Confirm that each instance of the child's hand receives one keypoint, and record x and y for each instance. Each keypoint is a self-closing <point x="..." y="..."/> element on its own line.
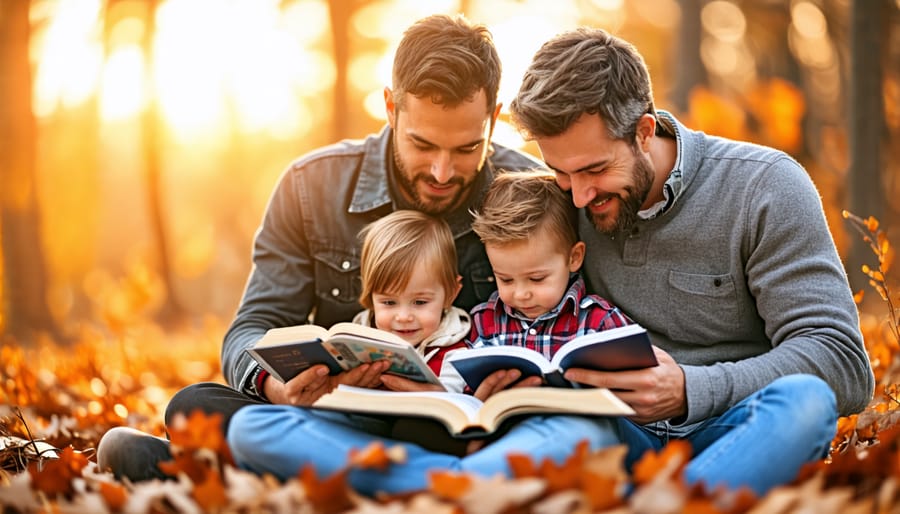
<point x="500" y="380"/>
<point x="395" y="383"/>
<point x="365" y="375"/>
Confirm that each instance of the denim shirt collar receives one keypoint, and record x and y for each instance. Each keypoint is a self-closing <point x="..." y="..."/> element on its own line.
<point x="371" y="191"/>
<point x="676" y="182"/>
<point x="376" y="187"/>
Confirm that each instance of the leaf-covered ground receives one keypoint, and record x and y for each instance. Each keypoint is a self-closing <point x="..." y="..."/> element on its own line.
<point x="57" y="401"/>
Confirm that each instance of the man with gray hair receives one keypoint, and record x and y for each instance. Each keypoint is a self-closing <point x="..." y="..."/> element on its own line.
<point x="720" y="249"/>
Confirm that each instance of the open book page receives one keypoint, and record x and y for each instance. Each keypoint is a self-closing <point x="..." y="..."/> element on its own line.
<point x="550" y="400"/>
<point x="455" y="410"/>
<point x="286" y="352"/>
<point x="295" y="333"/>
<point x="351" y="351"/>
<point x="363" y="331"/>
<point x="465" y="416"/>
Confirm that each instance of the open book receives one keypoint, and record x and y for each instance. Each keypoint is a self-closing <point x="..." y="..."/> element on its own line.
<point x="467" y="417"/>
<point x="285" y="352"/>
<point x="615" y="349"/>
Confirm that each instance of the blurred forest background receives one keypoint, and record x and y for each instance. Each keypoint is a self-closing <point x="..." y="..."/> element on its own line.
<point x="140" y="139"/>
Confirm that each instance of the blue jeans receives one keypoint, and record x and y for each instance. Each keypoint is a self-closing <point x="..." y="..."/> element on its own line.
<point x="761" y="442"/>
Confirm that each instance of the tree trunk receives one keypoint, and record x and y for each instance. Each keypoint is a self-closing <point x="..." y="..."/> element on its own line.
<point x="690" y="70"/>
<point x="24" y="285"/>
<point x="866" y="124"/>
<point x="172" y="310"/>
<point x="340" y="13"/>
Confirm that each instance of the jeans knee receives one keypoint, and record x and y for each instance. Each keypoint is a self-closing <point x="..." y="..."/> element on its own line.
<point x="188" y="399"/>
<point x="811" y="403"/>
<point x="599" y="432"/>
<point x="248" y="432"/>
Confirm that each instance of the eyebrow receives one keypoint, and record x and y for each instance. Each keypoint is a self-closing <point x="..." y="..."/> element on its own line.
<point x="596" y="164"/>
<point x="423" y="141"/>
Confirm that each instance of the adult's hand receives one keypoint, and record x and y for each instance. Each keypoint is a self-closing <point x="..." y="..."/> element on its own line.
<point x="655" y="393"/>
<point x="395" y="383"/>
<point x="500" y="380"/>
<point x="311" y="384"/>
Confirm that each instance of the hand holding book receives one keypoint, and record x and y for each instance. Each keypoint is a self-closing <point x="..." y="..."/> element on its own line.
<point x="285" y="352"/>
<point x="616" y="349"/>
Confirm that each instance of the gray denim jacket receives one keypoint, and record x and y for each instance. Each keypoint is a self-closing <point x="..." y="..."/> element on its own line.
<point x="306" y="252"/>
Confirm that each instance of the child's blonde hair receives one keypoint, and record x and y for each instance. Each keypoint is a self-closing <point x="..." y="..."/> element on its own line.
<point x="518" y="204"/>
<point x="394" y="244"/>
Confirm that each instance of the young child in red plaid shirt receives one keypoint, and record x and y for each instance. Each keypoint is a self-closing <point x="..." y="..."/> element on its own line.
<point x="528" y="226"/>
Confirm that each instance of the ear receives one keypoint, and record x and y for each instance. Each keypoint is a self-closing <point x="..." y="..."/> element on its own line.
<point x="452" y="294"/>
<point x="495" y="116"/>
<point x="389" y="105"/>
<point x="576" y="256"/>
<point x="644" y="131"/>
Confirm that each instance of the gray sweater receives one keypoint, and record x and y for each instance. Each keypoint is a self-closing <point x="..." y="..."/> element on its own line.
<point x="738" y="278"/>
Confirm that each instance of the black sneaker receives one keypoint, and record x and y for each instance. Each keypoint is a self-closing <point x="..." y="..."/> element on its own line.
<point x="132" y="454"/>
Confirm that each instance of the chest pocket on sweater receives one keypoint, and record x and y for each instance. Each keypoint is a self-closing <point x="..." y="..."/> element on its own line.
<point x="703" y="309"/>
<point x="337" y="286"/>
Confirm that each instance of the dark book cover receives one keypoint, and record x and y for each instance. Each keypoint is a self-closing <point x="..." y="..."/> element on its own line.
<point x="286" y="361"/>
<point x="619" y="349"/>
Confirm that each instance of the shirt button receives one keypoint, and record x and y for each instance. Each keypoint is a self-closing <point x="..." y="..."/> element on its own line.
<point x="532" y="331"/>
<point x="345" y="265"/>
<point x="335" y="292"/>
<point x="717" y="282"/>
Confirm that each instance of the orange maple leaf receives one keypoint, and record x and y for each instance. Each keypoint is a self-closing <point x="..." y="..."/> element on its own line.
<point x="54" y="477"/>
<point x="373" y="456"/>
<point x="199" y="430"/>
<point x="330" y="494"/>
<point x="602" y="491"/>
<point x="521" y="465"/>
<point x="210" y="492"/>
<point x="845" y="426"/>
<point x="185" y="462"/>
<point x="449" y="485"/>
<point x="670" y="459"/>
<point x="567" y="475"/>
<point x="114" y="495"/>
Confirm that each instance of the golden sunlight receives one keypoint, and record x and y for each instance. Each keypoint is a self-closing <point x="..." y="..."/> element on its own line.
<point x="122" y="85"/>
<point x="69" y="57"/>
<point x="247" y="64"/>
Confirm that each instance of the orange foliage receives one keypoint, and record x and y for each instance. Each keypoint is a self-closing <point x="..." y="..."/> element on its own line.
<point x="449" y="485"/>
<point x="54" y="477"/>
<point x="70" y="397"/>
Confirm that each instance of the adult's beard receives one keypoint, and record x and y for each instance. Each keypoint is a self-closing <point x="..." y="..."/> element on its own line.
<point x="408" y="184"/>
<point x="629" y="205"/>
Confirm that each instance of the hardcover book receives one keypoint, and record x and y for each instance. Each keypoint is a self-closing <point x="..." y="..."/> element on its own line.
<point x="285" y="352"/>
<point x="616" y="349"/>
<point x="467" y="417"/>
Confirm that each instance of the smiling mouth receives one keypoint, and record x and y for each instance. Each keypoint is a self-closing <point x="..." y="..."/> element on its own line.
<point x="440" y="188"/>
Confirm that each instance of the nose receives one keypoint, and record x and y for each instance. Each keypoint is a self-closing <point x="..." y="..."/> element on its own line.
<point x="442" y="167"/>
<point x="403" y="314"/>
<point x="583" y="192"/>
<point x="523" y="292"/>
